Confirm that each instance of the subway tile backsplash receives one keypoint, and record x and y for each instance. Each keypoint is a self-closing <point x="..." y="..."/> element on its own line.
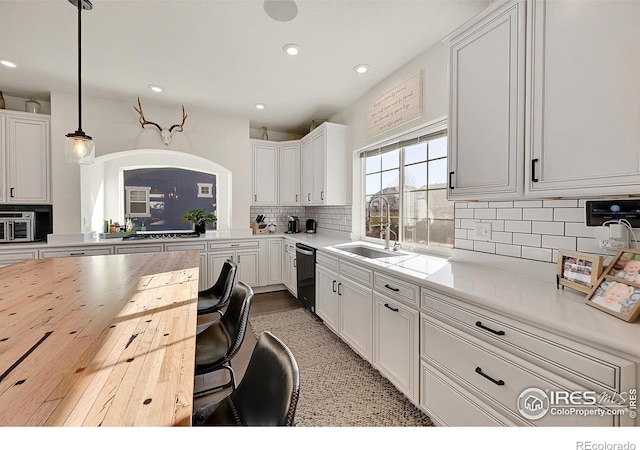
<point x="332" y="218"/>
<point x="528" y="229"/>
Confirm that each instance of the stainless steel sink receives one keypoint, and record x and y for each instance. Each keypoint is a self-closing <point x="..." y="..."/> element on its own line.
<point x="367" y="252"/>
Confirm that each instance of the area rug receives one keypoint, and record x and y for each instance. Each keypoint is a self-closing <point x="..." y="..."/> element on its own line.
<point x="337" y="387"/>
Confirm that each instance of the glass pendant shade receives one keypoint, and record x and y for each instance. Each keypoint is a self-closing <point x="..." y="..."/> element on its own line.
<point x="79" y="148"/>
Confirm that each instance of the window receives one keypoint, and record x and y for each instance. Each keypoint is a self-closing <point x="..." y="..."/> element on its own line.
<point x="157" y="197"/>
<point x="410" y="179"/>
<point x="205" y="190"/>
<point x="137" y="201"/>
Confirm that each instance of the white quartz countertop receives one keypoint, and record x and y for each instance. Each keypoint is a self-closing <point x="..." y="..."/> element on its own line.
<point x="516" y="295"/>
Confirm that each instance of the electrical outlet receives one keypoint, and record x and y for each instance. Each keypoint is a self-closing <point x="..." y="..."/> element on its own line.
<point x="482" y="231"/>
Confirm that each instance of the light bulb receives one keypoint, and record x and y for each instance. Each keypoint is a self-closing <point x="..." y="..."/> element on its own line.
<point x="79" y="148"/>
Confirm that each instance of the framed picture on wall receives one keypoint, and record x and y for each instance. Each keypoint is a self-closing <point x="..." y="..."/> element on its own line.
<point x="618" y="289"/>
<point x="579" y="271"/>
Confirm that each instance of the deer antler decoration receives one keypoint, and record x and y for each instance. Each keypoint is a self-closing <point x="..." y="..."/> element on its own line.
<point x="164" y="133"/>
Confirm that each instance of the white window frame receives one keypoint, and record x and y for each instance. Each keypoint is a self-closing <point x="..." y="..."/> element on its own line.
<point x="440" y="126"/>
<point x="202" y="187"/>
<point x="128" y="191"/>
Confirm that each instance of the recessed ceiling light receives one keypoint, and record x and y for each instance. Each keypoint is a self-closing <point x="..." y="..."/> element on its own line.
<point x="259" y="106"/>
<point x="155" y="88"/>
<point x="6" y="63"/>
<point x="361" y="68"/>
<point x="291" y="49"/>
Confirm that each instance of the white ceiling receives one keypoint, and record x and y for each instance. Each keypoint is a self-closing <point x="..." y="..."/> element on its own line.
<point x="220" y="56"/>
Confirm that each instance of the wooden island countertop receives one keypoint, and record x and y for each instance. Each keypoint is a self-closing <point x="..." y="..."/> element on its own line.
<point x="99" y="340"/>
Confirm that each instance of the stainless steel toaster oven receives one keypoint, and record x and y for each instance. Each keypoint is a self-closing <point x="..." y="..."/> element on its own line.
<point x="17" y="226"/>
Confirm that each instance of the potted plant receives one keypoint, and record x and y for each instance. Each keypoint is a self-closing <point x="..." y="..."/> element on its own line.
<point x="200" y="218"/>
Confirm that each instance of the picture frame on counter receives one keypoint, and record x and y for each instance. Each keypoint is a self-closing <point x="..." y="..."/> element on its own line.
<point x="579" y="271"/>
<point x="617" y="291"/>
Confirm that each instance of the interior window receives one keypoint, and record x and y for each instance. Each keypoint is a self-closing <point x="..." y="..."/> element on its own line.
<point x="410" y="179"/>
<point x="157" y="197"/>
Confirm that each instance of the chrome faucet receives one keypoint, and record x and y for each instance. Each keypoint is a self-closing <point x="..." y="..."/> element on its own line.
<point x="386" y="226"/>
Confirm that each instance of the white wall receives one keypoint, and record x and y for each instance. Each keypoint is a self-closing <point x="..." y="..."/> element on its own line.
<point x="114" y="127"/>
<point x="435" y="96"/>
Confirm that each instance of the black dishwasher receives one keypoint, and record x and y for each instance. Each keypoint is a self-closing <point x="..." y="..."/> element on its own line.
<point x="306" y="272"/>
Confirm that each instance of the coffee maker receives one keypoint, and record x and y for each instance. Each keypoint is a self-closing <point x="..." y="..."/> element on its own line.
<point x="311" y="226"/>
<point x="293" y="225"/>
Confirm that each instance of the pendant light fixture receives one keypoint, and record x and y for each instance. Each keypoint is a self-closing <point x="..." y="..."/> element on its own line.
<point x="79" y="147"/>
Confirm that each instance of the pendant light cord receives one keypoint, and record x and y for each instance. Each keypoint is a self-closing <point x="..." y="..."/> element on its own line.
<point x="79" y="66"/>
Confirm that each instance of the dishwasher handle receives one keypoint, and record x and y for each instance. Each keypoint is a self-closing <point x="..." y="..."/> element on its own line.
<point x="304" y="252"/>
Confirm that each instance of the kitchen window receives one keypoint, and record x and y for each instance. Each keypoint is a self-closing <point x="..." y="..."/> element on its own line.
<point x="157" y="197"/>
<point x="411" y="175"/>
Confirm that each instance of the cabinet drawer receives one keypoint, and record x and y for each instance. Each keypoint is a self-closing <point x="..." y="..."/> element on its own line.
<point x="330" y="262"/>
<point x="580" y="363"/>
<point x="494" y="374"/>
<point x="400" y="290"/>
<point x="356" y="273"/>
<point x="449" y="405"/>
<point x="16" y="257"/>
<point x="79" y="251"/>
<point x="128" y="249"/>
<point x="199" y="246"/>
<point x="233" y="245"/>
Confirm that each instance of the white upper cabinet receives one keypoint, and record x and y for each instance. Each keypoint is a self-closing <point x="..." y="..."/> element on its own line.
<point x="584" y="106"/>
<point x="289" y="174"/>
<point x="265" y="173"/>
<point x="24" y="156"/>
<point x="486" y="109"/>
<point x="545" y="102"/>
<point x="324" y="156"/>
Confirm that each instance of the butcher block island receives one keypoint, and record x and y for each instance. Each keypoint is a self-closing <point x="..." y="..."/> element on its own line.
<point x="99" y="340"/>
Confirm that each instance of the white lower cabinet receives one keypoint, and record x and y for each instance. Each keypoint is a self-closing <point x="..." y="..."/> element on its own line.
<point x="395" y="343"/>
<point x="289" y="269"/>
<point x="245" y="253"/>
<point x="273" y="266"/>
<point x="354" y="323"/>
<point x="508" y="372"/>
<point x="247" y="261"/>
<point x="327" y="296"/>
<point x="343" y="301"/>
